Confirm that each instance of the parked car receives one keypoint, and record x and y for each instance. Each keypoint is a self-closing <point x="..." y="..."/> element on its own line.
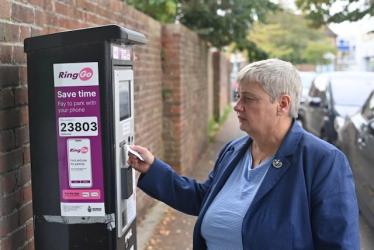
<point x="333" y="96"/>
<point x="356" y="140"/>
<point x="307" y="78"/>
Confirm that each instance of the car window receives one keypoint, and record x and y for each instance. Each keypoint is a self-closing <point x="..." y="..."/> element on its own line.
<point x="307" y="78"/>
<point x="351" y="91"/>
<point x="368" y="111"/>
<point x="312" y="91"/>
<point x="318" y="86"/>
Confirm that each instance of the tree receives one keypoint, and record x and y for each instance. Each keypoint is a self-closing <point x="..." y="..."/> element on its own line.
<point x="319" y="12"/>
<point x="317" y="52"/>
<point x="286" y="36"/>
<point x="220" y="22"/>
<point x="164" y="11"/>
<point x="269" y="38"/>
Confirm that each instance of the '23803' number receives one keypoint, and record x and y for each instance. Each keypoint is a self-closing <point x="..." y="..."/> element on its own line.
<point x="77" y="126"/>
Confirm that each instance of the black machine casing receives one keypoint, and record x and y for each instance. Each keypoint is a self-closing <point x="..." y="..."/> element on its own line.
<point x="77" y="46"/>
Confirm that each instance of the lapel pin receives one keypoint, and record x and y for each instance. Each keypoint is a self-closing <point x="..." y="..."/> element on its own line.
<point x="277" y="163"/>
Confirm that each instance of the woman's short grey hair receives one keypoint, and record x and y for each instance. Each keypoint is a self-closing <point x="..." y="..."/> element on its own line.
<point x="277" y="77"/>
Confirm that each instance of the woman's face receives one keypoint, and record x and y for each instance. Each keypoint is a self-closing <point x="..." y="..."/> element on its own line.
<point x="257" y="115"/>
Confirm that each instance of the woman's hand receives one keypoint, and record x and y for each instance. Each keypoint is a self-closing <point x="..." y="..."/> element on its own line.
<point x="136" y="163"/>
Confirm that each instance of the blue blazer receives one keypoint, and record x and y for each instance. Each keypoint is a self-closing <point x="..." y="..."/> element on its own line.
<point x="307" y="203"/>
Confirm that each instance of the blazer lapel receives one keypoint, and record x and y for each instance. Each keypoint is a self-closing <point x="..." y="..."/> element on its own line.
<point x="272" y="177"/>
<point x="287" y="148"/>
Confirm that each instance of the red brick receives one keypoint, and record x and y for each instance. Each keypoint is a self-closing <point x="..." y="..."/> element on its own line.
<point x="25" y="175"/>
<point x="39" y="18"/>
<point x="6" y="98"/>
<point x="27" y="194"/>
<point x="29" y="246"/>
<point x="2" y="191"/>
<point x="63" y="22"/>
<point x="22" y="14"/>
<point x="25" y="115"/>
<point x="5" y="9"/>
<point x="25" y="33"/>
<point x="5" y="53"/>
<point x="11" y="160"/>
<point x="10" y="182"/>
<point x="29" y="231"/>
<point x="10" y="118"/>
<point x="8" y="74"/>
<point x="39" y="3"/>
<point x="7" y="141"/>
<point x="104" y="3"/>
<point x="61" y="8"/>
<point x="22" y="135"/>
<point x="72" y="24"/>
<point x="89" y="7"/>
<point x="26" y="155"/>
<point x="10" y="203"/>
<point x="15" y="241"/>
<point x="21" y="96"/>
<point x="90" y="18"/>
<point x="36" y="31"/>
<point x="51" y="19"/>
<point x="70" y="2"/>
<point x="77" y="14"/>
<point x="25" y="214"/>
<point x="103" y="12"/>
<point x="19" y="56"/>
<point x="115" y="5"/>
<point x="22" y="78"/>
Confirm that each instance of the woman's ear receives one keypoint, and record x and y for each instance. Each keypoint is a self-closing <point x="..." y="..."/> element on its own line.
<point x="283" y="104"/>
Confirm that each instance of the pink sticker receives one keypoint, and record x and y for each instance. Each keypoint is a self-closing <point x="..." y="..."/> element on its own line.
<point x="86" y="74"/>
<point x="70" y="194"/>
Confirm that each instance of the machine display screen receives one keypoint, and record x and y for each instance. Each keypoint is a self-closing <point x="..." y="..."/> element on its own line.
<point x="124" y="100"/>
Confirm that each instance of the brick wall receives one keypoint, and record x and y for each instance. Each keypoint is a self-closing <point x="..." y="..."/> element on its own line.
<point x="221" y="84"/>
<point x="18" y="21"/>
<point x="306" y="67"/>
<point x="173" y="95"/>
<point x="185" y="86"/>
<point x="15" y="176"/>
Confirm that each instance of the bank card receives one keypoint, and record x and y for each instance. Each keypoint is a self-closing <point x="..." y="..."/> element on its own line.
<point x="134" y="152"/>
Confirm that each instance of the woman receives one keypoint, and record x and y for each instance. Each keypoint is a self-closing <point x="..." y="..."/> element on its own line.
<point x="277" y="188"/>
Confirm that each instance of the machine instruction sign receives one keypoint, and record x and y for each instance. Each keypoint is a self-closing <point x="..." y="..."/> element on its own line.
<point x="79" y="146"/>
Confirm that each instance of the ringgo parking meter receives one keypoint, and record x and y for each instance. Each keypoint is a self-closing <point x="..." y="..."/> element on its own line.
<point x="81" y="117"/>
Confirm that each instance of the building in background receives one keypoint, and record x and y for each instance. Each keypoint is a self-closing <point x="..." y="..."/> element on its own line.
<point x="346" y="57"/>
<point x="237" y="61"/>
<point x="331" y="66"/>
<point x="365" y="53"/>
<point x="355" y="42"/>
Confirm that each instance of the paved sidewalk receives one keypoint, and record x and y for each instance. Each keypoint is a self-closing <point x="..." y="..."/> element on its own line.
<point x="164" y="228"/>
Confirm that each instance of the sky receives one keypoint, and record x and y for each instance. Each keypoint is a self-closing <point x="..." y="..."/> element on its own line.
<point x="353" y="28"/>
<point x="344" y="28"/>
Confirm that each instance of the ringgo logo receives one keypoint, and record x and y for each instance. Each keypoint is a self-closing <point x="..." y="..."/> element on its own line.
<point x="83" y="150"/>
<point x="85" y="74"/>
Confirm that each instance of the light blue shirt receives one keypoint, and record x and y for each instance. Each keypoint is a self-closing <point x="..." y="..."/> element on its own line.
<point x="222" y="223"/>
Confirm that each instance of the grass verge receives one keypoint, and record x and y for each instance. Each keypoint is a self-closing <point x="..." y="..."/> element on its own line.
<point x="214" y="126"/>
